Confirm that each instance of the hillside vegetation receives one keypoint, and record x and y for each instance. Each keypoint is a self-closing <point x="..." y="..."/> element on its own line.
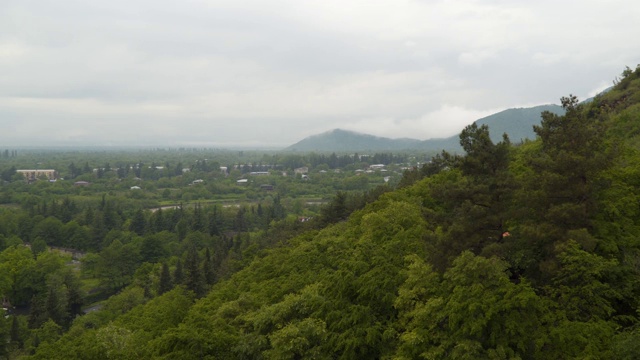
<point x="509" y="252"/>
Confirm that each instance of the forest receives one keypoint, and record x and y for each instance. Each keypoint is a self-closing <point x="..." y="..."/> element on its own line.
<point x="508" y="251"/>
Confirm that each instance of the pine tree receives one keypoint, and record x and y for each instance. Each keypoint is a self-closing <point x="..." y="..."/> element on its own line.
<point x="165" y="280"/>
<point x="573" y="154"/>
<point x="37" y="314"/>
<point x="193" y="275"/>
<point x="56" y="302"/>
<point x="157" y="221"/>
<point x="208" y="270"/>
<point x="198" y="222"/>
<point x="15" y="331"/>
<point x="178" y="276"/>
<point x="213" y="222"/>
<point x="138" y="222"/>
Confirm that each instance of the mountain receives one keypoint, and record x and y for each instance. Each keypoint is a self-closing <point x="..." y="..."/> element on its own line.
<point x="517" y="123"/>
<point x="343" y="140"/>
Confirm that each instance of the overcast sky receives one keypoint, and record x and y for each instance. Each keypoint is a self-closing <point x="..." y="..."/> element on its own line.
<point x="249" y="72"/>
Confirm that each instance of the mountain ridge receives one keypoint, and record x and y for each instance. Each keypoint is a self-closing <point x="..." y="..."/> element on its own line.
<point x="515" y="122"/>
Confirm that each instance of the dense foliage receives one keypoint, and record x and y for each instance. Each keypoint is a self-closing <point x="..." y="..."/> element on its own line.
<point x="508" y="252"/>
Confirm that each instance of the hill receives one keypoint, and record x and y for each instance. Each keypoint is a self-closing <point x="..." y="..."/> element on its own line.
<point x="517" y="123"/>
<point x="339" y="140"/>
<point x="509" y="252"/>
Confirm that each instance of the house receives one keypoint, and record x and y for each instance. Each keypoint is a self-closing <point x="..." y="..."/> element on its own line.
<point x="33" y="175"/>
<point x="266" y="187"/>
<point x="81" y="183"/>
<point x="198" y="181"/>
<point x="135" y="188"/>
<point x="301" y="170"/>
<point x="242" y="181"/>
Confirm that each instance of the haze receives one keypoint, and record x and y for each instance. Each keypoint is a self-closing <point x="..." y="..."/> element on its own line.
<point x="256" y="73"/>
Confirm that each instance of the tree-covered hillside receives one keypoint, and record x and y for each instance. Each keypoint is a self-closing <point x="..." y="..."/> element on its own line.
<point x="508" y="252"/>
<point x="517" y="123"/>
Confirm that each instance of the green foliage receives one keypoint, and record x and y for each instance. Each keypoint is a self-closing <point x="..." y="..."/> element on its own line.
<point x="165" y="283"/>
<point x="472" y="311"/>
<point x="508" y="252"/>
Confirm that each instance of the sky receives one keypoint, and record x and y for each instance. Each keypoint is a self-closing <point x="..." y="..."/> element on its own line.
<point x="209" y="73"/>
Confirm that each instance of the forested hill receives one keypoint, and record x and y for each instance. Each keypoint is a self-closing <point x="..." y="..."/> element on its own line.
<point x="509" y="252"/>
<point x="517" y="123"/>
<point x="339" y="140"/>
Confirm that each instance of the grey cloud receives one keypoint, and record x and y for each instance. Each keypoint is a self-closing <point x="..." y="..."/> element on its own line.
<point x="255" y="72"/>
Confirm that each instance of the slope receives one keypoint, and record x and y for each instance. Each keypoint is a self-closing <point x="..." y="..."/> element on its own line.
<point x="526" y="251"/>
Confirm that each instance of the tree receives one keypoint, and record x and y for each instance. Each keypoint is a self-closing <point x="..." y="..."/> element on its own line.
<point x="336" y="209"/>
<point x="138" y="222"/>
<point x="485" y="207"/>
<point x="49" y="229"/>
<point x="152" y="249"/>
<point x="17" y="265"/>
<point x="8" y="174"/>
<point x="560" y="184"/>
<point x="208" y="268"/>
<point x="38" y="246"/>
<point x="15" y="331"/>
<point x="56" y="302"/>
<point x="573" y="153"/>
<point x="474" y="197"/>
<point x="165" y="284"/>
<point x="579" y="285"/>
<point x="472" y="311"/>
<point x="117" y="264"/>
<point x="198" y="222"/>
<point x="4" y="336"/>
<point x="193" y="279"/>
<point x="178" y="276"/>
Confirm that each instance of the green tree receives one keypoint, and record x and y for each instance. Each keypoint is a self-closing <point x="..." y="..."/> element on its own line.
<point x="17" y="265"/>
<point x="117" y="264"/>
<point x="560" y="179"/>
<point x="57" y="302"/>
<point x="208" y="268"/>
<point x="49" y="229"/>
<point x="482" y="200"/>
<point x="4" y="336"/>
<point x="165" y="284"/>
<point x="138" y="222"/>
<point x="472" y="311"/>
<point x="178" y="275"/>
<point x="193" y="279"/>
<point x="38" y="246"/>
<point x="573" y="153"/>
<point x="152" y="248"/>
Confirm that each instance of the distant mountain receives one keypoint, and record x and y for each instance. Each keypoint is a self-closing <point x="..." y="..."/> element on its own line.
<point x="517" y="123"/>
<point x="343" y="140"/>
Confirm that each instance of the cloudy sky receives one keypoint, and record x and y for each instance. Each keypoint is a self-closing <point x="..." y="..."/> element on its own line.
<point x="257" y="72"/>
